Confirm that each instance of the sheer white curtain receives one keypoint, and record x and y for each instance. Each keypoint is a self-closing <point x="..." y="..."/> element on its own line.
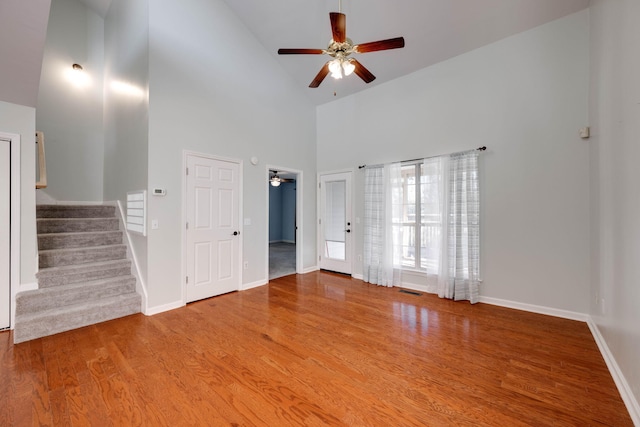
<point x="381" y="266"/>
<point x="448" y="220"/>
<point x="459" y="263"/>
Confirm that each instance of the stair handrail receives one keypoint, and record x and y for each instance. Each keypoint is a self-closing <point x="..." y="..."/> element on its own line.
<point x="41" y="181"/>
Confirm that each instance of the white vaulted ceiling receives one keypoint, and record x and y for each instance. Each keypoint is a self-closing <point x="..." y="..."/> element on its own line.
<point x="23" y="30"/>
<point x="434" y="30"/>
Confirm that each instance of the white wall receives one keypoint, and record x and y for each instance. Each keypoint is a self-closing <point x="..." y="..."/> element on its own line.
<point x="524" y="97"/>
<point x="214" y="89"/>
<point x="126" y="115"/>
<point x="70" y="113"/>
<point x="615" y="201"/>
<point x="21" y="120"/>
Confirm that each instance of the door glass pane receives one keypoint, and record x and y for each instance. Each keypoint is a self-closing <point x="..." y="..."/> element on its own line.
<point x="335" y="220"/>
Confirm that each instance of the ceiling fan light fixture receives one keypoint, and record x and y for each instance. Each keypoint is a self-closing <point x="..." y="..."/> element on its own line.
<point x="348" y="67"/>
<point x="339" y="49"/>
<point x="335" y="68"/>
<point x="275" y="180"/>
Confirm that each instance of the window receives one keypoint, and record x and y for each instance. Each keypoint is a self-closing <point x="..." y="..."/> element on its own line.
<point x="416" y="218"/>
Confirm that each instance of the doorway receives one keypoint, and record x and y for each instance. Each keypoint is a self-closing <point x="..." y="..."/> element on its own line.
<point x="9" y="225"/>
<point x="212" y="232"/>
<point x="334" y="222"/>
<point x="284" y="213"/>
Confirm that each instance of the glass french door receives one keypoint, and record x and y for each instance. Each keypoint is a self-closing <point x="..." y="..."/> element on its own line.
<point x="335" y="222"/>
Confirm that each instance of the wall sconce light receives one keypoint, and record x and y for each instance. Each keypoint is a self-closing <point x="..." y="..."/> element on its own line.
<point x="77" y="76"/>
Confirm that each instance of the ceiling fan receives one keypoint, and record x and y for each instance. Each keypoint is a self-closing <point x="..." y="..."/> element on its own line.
<point x="340" y="48"/>
<point x="275" y="180"/>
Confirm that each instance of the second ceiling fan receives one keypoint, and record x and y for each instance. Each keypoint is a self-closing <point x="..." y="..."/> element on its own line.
<point x="340" y="48"/>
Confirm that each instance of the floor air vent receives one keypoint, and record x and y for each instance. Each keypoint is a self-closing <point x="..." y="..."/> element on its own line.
<point x="404" y="291"/>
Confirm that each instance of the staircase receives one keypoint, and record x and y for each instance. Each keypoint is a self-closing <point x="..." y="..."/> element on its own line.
<point x="85" y="276"/>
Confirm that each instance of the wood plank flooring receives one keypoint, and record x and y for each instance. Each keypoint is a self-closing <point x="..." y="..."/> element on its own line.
<point x="314" y="350"/>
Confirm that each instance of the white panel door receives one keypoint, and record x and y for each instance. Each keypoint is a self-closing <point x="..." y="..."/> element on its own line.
<point x="335" y="222"/>
<point x="5" y="234"/>
<point x="213" y="232"/>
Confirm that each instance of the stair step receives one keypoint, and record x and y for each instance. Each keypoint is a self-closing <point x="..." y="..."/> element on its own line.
<point x="76" y="256"/>
<point x="78" y="240"/>
<point x="49" y="322"/>
<point x="75" y="211"/>
<point x="67" y="225"/>
<point x="57" y="276"/>
<point x="59" y="296"/>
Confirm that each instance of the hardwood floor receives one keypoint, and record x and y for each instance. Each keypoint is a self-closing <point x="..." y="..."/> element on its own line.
<point x="315" y="350"/>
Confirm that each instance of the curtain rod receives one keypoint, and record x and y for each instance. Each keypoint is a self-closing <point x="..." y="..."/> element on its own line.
<point x="483" y="148"/>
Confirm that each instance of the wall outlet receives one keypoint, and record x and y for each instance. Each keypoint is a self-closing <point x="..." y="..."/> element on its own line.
<point x="246" y="265"/>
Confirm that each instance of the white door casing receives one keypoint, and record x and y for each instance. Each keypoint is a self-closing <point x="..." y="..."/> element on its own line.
<point x="212" y="211"/>
<point x="334" y="222"/>
<point x="299" y="215"/>
<point x="11" y="287"/>
<point x="5" y="234"/>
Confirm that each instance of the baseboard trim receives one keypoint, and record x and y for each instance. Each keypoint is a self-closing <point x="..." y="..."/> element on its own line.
<point x="358" y="276"/>
<point x="162" y="308"/>
<point x="310" y="269"/>
<point x="22" y="287"/>
<point x="621" y="382"/>
<point x="633" y="406"/>
<point x="419" y="288"/>
<point x="565" y="314"/>
<point x="256" y="284"/>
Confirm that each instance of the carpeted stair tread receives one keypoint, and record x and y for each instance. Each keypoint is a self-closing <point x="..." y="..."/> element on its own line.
<point x="76" y="256"/>
<point x="55" y="320"/>
<point x="55" y="276"/>
<point x="83" y="239"/>
<point x="75" y="211"/>
<point x="66" y="225"/>
<point x="59" y="296"/>
<point x="85" y="274"/>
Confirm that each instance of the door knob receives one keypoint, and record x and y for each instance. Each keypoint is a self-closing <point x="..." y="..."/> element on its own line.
<point x="348" y="230"/>
<point x="235" y="233"/>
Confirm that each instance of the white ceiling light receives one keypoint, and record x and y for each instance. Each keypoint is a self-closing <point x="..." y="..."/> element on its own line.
<point x="275" y="181"/>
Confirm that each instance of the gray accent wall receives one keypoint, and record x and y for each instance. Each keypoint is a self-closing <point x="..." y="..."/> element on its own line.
<point x="282" y="213"/>
<point x="71" y="114"/>
<point x="126" y="112"/>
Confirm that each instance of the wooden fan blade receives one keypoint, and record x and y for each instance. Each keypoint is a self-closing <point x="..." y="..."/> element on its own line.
<point x="321" y="75"/>
<point x="300" y="51"/>
<point x="362" y="72"/>
<point x="338" y="26"/>
<point x="387" y="44"/>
